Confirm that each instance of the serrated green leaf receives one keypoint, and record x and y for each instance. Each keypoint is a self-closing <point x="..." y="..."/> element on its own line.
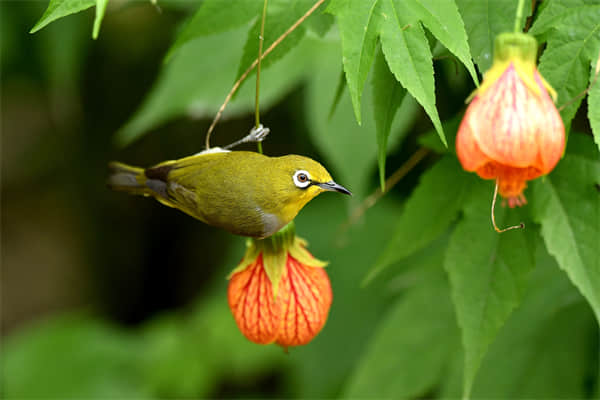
<point x="404" y="45"/>
<point x="429" y="211"/>
<point x="357" y="21"/>
<point x="281" y="14"/>
<point x="407" y="52"/>
<point x="61" y="8"/>
<point x="352" y="153"/>
<point x="487" y="272"/>
<point x="190" y="85"/>
<point x="567" y="205"/>
<point x="387" y="98"/>
<point x="100" y="10"/>
<point x="594" y="101"/>
<point x="216" y="16"/>
<point x="442" y="18"/>
<point x="484" y="19"/>
<point x="544" y="349"/>
<point x="407" y="355"/>
<point x="552" y="12"/>
<point x="573" y="43"/>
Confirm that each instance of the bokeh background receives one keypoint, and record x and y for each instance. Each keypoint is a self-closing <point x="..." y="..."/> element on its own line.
<point x="103" y="294"/>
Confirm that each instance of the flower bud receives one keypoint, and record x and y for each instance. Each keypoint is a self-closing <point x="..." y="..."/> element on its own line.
<point x="511" y="131"/>
<point x="279" y="293"/>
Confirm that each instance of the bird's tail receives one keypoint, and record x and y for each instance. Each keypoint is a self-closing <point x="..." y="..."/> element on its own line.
<point x="126" y="178"/>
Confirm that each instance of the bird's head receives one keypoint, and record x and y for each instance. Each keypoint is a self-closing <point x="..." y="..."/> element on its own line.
<point x="299" y="180"/>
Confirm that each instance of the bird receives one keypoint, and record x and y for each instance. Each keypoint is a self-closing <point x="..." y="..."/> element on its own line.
<point x="243" y="192"/>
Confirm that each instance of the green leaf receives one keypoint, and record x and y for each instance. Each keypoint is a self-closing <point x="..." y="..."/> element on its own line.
<point x="61" y="8"/>
<point x="189" y="85"/>
<point x="100" y="10"/>
<point x="546" y="348"/>
<point x="353" y="153"/>
<point x="442" y="18"/>
<point x="281" y="14"/>
<point x="387" y="98"/>
<point x="429" y="211"/>
<point x="552" y="12"/>
<point x="487" y="273"/>
<point x="216" y="16"/>
<point x="573" y="43"/>
<point x="407" y="52"/>
<point x="484" y="19"/>
<point x="594" y="100"/>
<point x="358" y="22"/>
<point x="567" y="205"/>
<point x="407" y="355"/>
<point x="404" y="44"/>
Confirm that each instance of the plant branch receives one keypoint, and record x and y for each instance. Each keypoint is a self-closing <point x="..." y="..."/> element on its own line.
<point x="390" y="182"/>
<point x="237" y="84"/>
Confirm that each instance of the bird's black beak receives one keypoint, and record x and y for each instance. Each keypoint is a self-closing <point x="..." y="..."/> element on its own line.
<point x="334" y="187"/>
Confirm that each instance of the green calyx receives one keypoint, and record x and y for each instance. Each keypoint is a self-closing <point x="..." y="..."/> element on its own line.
<point x="519" y="46"/>
<point x="275" y="250"/>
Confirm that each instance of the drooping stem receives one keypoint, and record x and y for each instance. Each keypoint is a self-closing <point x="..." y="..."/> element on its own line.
<point x="241" y="79"/>
<point x="519" y="16"/>
<point x="261" y="39"/>
<point x="520" y="226"/>
<point x="390" y="182"/>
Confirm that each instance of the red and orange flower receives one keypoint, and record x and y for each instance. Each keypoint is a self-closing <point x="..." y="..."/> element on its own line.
<point x="279" y="293"/>
<point x="511" y="131"/>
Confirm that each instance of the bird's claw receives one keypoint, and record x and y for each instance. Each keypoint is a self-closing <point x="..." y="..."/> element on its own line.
<point x="258" y="134"/>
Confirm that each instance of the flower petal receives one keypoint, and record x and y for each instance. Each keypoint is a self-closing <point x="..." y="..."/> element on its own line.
<point x="504" y="124"/>
<point x="469" y="154"/>
<point x="551" y="132"/>
<point x="306" y="295"/>
<point x="250" y="297"/>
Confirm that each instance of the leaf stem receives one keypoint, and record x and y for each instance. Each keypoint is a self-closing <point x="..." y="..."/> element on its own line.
<point x="261" y="39"/>
<point x="237" y="84"/>
<point x="519" y="16"/>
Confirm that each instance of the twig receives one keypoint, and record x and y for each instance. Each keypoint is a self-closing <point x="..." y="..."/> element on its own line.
<point x="389" y="184"/>
<point x="237" y="84"/>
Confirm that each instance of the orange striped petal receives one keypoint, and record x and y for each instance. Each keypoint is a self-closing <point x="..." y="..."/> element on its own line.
<point x="306" y="295"/>
<point x="250" y="296"/>
<point x="506" y="121"/>
<point x="551" y="131"/>
<point x="469" y="154"/>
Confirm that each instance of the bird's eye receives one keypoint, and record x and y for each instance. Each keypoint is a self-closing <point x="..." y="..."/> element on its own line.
<point x="302" y="179"/>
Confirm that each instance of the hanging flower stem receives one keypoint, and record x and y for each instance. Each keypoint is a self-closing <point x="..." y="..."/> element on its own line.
<point x="520" y="226"/>
<point x="519" y="16"/>
<point x="261" y="39"/>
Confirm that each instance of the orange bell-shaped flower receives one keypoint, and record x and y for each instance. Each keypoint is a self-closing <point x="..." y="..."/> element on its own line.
<point x="511" y="131"/>
<point x="279" y="293"/>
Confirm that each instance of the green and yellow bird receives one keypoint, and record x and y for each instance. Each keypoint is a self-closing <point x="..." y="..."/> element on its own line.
<point x="243" y="192"/>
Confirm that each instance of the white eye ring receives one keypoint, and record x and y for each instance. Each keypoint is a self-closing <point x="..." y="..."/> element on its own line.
<point x="302" y="179"/>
